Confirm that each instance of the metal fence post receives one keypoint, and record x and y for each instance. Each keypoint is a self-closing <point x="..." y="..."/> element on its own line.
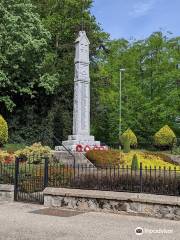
<point x="46" y="172"/>
<point x="16" y="179"/>
<point x="1" y="170"/>
<point x="74" y="166"/>
<point x="141" y="182"/>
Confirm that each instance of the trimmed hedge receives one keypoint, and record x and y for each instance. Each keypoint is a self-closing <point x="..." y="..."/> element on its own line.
<point x="126" y="146"/>
<point x="165" y="137"/>
<point x="135" y="164"/>
<point x="129" y="134"/>
<point x="3" y="131"/>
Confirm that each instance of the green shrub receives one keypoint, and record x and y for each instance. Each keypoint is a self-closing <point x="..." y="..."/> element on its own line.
<point x="118" y="158"/>
<point x="131" y="137"/>
<point x="135" y="164"/>
<point x="176" y="150"/>
<point x="34" y="153"/>
<point x="105" y="157"/>
<point x="11" y="148"/>
<point x="3" y="131"/>
<point x="165" y="137"/>
<point x="126" y="145"/>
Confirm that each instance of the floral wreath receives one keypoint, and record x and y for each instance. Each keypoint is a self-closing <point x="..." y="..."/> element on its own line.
<point x="79" y="148"/>
<point x="87" y="148"/>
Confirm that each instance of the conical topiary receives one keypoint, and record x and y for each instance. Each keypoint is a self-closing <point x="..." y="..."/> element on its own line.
<point x="135" y="164"/>
<point x="3" y="131"/>
<point x="126" y="145"/>
<point x="164" y="137"/>
<point x="131" y="137"/>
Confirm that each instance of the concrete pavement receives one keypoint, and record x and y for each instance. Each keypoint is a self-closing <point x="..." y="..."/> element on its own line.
<point x="17" y="222"/>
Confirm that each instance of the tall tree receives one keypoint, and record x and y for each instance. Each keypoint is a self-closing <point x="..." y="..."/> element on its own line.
<point x="36" y="62"/>
<point x="150" y="89"/>
<point x="23" y="79"/>
<point x="64" y="19"/>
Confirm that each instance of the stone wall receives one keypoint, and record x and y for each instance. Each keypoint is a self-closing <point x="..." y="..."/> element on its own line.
<point x="6" y="193"/>
<point x="117" y="202"/>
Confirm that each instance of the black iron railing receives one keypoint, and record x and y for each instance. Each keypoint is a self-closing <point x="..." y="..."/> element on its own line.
<point x="122" y="178"/>
<point x="7" y="173"/>
<point x="68" y="150"/>
<point x="30" y="179"/>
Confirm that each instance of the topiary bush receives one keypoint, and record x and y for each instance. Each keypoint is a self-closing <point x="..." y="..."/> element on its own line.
<point x="126" y="145"/>
<point x="135" y="164"/>
<point x="3" y="131"/>
<point x="176" y="150"/>
<point x="164" y="138"/>
<point x="129" y="134"/>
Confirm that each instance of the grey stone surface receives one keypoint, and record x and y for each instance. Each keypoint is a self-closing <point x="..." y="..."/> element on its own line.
<point x="18" y="222"/>
<point x="6" y="193"/>
<point x="67" y="159"/>
<point x="81" y="138"/>
<point x="132" y="197"/>
<point x="113" y="202"/>
<point x="81" y="114"/>
<point x="6" y="187"/>
<point x="177" y="211"/>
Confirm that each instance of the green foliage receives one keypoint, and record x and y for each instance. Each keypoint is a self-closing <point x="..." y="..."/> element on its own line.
<point x="135" y="164"/>
<point x="24" y="42"/>
<point x="34" y="153"/>
<point x="103" y="158"/>
<point x="164" y="137"/>
<point x="36" y="66"/>
<point x="150" y="92"/>
<point x="126" y="145"/>
<point x="3" y="131"/>
<point x="176" y="150"/>
<point x="129" y="134"/>
<point x="11" y="148"/>
<point x="119" y="159"/>
<point x="36" y="69"/>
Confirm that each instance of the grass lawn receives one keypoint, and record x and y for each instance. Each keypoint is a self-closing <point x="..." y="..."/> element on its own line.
<point x="13" y="147"/>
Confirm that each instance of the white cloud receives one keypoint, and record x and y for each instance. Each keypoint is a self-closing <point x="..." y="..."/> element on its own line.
<point x="142" y="8"/>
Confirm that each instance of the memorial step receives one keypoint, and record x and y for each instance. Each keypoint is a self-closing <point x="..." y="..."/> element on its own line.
<point x="67" y="159"/>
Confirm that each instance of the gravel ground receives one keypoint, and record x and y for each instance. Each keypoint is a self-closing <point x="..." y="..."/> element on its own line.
<point x="17" y="222"/>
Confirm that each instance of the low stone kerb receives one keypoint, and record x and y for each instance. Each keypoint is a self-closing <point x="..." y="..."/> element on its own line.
<point x="6" y="188"/>
<point x="122" y="196"/>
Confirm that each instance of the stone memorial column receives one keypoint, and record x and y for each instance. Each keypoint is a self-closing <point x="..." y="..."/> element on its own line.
<point x="81" y="112"/>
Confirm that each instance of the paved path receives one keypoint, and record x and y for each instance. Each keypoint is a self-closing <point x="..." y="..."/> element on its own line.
<point x="17" y="222"/>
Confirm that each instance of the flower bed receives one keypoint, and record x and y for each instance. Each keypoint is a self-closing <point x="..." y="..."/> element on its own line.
<point x="115" y="157"/>
<point x="33" y="154"/>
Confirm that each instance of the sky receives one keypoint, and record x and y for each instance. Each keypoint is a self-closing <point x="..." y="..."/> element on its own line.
<point x="137" y="18"/>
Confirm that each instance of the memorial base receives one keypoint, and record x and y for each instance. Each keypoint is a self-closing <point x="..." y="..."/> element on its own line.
<point x="83" y="140"/>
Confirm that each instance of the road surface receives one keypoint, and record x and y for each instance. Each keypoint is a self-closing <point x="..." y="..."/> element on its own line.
<point x="18" y="221"/>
